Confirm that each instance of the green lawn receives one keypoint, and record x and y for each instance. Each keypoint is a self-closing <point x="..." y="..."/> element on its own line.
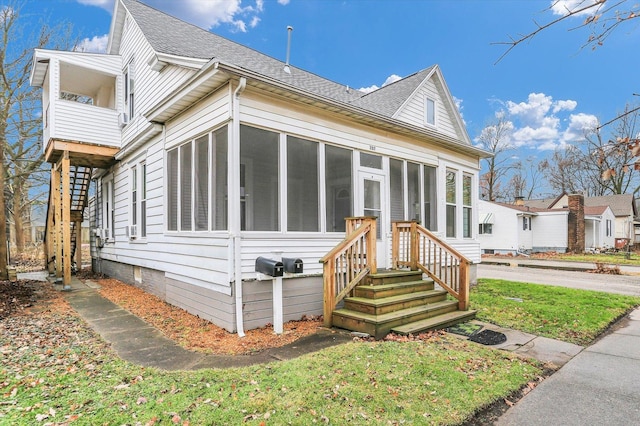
<point x="613" y="258"/>
<point x="576" y="316"/>
<point x="55" y="370"/>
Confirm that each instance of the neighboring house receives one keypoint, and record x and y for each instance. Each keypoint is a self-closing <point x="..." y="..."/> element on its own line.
<point x="600" y="226"/>
<point x="526" y="227"/>
<point x="208" y="154"/>
<point x="623" y="207"/>
<point x="510" y="229"/>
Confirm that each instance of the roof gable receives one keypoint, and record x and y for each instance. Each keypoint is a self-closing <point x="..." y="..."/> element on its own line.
<point x="621" y="204"/>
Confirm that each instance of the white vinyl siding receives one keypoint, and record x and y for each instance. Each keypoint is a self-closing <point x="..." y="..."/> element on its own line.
<point x="415" y="110"/>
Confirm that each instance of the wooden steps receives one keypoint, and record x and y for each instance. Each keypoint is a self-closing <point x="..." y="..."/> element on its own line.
<point x="397" y="300"/>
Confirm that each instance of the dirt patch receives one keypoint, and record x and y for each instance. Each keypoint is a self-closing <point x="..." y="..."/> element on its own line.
<point x="16" y="298"/>
<point x="198" y="334"/>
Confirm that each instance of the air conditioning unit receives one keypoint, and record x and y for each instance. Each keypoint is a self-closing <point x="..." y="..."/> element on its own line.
<point x="132" y="232"/>
<point x="101" y="233"/>
<point x="123" y="119"/>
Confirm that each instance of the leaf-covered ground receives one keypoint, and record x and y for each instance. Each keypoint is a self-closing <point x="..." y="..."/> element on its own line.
<point x="57" y="371"/>
<point x="199" y="334"/>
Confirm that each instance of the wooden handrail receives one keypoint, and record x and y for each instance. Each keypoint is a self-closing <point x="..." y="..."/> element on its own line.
<point x="348" y="263"/>
<point x="417" y="248"/>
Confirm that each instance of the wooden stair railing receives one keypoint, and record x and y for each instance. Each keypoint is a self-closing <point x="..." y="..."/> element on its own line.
<point x="415" y="247"/>
<point x="347" y="264"/>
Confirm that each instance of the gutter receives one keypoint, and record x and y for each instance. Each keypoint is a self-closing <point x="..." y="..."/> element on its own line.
<point x="436" y="137"/>
<point x="235" y="204"/>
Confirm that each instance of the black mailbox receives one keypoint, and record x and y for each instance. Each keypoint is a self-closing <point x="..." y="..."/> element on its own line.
<point x="292" y="265"/>
<point x="269" y="267"/>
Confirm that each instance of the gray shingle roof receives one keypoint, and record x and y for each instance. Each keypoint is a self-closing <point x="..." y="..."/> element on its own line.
<point x="170" y="35"/>
<point x="621" y="204"/>
<point x="388" y="99"/>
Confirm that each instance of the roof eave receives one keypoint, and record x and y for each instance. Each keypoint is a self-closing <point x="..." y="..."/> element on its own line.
<point x="359" y="113"/>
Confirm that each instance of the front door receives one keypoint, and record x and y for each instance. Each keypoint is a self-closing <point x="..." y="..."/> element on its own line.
<point x="372" y="201"/>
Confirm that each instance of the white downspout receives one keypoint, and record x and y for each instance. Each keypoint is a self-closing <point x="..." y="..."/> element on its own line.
<point x="234" y="216"/>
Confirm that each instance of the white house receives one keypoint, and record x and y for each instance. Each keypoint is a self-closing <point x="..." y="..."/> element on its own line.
<point x="512" y="229"/>
<point x="526" y="227"/>
<point x="600" y="226"/>
<point x="208" y="154"/>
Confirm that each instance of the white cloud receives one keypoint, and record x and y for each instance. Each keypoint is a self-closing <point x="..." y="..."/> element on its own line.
<point x="391" y="79"/>
<point x="533" y="111"/>
<point x="564" y="7"/>
<point x="96" y="44"/>
<point x="460" y="107"/>
<point x="205" y="14"/>
<point x="579" y="124"/>
<point x="567" y="105"/>
<point x="105" y="4"/>
<point x="541" y="123"/>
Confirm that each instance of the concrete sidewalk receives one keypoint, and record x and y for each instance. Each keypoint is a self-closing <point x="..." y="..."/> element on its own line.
<point x="599" y="386"/>
<point x="138" y="342"/>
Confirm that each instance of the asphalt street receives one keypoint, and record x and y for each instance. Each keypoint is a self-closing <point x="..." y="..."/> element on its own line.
<point x="619" y="284"/>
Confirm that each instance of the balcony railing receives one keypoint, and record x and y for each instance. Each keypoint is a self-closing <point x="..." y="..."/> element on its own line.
<point x="74" y="121"/>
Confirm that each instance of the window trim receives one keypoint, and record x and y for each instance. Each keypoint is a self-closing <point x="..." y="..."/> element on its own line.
<point x="179" y="151"/>
<point x="129" y="89"/>
<point x="429" y="101"/>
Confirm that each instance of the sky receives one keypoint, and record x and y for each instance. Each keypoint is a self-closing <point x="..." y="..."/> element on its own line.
<point x="550" y="88"/>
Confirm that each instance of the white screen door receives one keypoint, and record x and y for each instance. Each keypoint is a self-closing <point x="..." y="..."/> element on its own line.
<point x="372" y="202"/>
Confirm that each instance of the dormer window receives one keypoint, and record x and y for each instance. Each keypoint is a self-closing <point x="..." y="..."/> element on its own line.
<point x="129" y="76"/>
<point x="430" y="111"/>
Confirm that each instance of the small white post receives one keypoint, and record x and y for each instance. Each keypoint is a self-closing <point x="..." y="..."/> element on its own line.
<point x="277" y="306"/>
<point x="278" y="311"/>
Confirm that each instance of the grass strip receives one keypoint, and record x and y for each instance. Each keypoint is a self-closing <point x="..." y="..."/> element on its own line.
<point x="576" y="316"/>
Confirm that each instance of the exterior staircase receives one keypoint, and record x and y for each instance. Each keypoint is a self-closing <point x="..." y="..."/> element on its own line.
<point x="398" y="301"/>
<point x="80" y="179"/>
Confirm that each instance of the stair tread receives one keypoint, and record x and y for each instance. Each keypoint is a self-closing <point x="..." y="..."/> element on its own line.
<point x="394" y="273"/>
<point x="432" y="322"/>
<point x="396" y="314"/>
<point x="394" y="285"/>
<point x="395" y="299"/>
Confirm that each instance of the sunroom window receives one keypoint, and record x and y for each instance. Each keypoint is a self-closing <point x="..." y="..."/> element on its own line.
<point x="259" y="159"/>
<point x="466" y="206"/>
<point x="197" y="184"/>
<point x="430" y="190"/>
<point x="339" y="190"/>
<point x="451" y="203"/>
<point x="302" y="185"/>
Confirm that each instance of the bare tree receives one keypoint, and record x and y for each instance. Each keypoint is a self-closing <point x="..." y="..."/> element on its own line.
<point x="601" y="19"/>
<point x="564" y="172"/>
<point x="612" y="161"/>
<point x="19" y="131"/>
<point x="496" y="138"/>
<point x="525" y="180"/>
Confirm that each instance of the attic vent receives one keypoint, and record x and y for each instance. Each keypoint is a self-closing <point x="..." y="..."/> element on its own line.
<point x="286" y="65"/>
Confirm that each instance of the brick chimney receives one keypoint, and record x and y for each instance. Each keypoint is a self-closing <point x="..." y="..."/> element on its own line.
<point x="519" y="200"/>
<point x="575" y="232"/>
